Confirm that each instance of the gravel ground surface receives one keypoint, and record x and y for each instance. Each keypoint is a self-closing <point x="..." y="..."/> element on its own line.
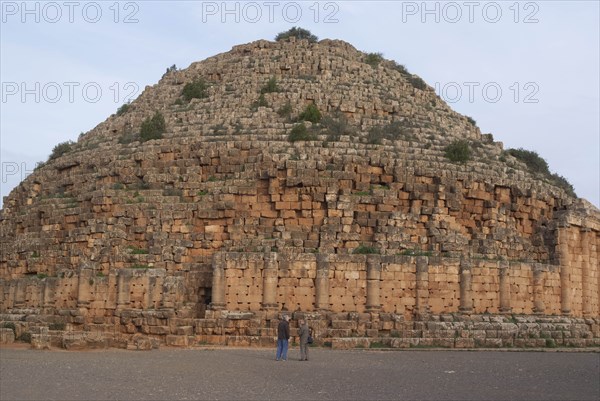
<point x="253" y="374"/>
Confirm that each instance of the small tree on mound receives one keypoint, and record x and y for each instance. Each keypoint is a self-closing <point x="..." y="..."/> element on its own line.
<point x="373" y="59"/>
<point x="311" y="113"/>
<point x="153" y="127"/>
<point x="61" y="149"/>
<point x="297" y="33"/>
<point x="537" y="164"/>
<point x="534" y="162"/>
<point x="195" y="90"/>
<point x="270" y="86"/>
<point x="300" y="133"/>
<point x="417" y="82"/>
<point x="123" y="109"/>
<point x="458" y="151"/>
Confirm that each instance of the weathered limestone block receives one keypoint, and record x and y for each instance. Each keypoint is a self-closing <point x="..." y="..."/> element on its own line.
<point x="7" y="336"/>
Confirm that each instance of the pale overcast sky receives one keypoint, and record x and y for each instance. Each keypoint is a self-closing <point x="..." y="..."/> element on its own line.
<point x="528" y="72"/>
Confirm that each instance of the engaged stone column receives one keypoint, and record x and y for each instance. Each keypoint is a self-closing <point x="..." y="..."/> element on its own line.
<point x="466" y="298"/>
<point x="270" y="281"/>
<point x="123" y="289"/>
<point x="49" y="291"/>
<point x="83" y="288"/>
<point x="586" y="295"/>
<point x="539" y="307"/>
<point x="11" y="299"/>
<point x="322" y="283"/>
<point x="565" y="270"/>
<point x="504" y="273"/>
<point x="20" y="293"/>
<point x="422" y="296"/>
<point x="373" y="283"/>
<point x="218" y="282"/>
<point x="595" y="265"/>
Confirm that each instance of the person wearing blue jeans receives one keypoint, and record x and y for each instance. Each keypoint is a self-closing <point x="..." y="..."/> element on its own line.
<point x="283" y="336"/>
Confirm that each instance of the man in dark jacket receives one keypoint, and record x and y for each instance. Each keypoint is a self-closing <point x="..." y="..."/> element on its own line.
<point x="283" y="336"/>
<point x="303" y="333"/>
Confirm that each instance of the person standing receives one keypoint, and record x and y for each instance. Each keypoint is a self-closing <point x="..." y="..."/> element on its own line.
<point x="303" y="333"/>
<point x="283" y="336"/>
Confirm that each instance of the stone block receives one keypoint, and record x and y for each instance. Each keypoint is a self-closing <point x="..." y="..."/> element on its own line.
<point x="177" y="340"/>
<point x="7" y="336"/>
<point x="464" y="343"/>
<point x="349" y="343"/>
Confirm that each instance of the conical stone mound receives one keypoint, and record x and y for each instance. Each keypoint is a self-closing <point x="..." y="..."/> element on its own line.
<point x="279" y="148"/>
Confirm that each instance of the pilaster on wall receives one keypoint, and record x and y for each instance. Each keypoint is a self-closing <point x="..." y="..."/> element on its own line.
<point x="373" y="283"/>
<point x="270" y="279"/>
<point x="218" y="282"/>
<point x="83" y="288"/>
<point x="422" y="295"/>
<point x="539" y="307"/>
<point x="322" y="283"/>
<point x="562" y="241"/>
<point x="123" y="284"/>
<point x="577" y="234"/>
<point x="504" y="281"/>
<point x="466" y="298"/>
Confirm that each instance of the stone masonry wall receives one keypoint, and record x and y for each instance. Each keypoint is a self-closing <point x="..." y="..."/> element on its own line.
<point x="402" y="285"/>
<point x="135" y="238"/>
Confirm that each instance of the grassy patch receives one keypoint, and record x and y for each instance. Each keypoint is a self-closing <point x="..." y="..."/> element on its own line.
<point x="365" y="250"/>
<point x="137" y="251"/>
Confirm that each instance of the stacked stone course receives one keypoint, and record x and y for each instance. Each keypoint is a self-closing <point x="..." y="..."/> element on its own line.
<point x="214" y="230"/>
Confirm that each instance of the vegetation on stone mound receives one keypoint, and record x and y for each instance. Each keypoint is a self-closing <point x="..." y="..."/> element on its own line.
<point x="458" y="151"/>
<point x="195" y="90"/>
<point x="534" y="162"/>
<point x="392" y="131"/>
<point x="336" y="126"/>
<point x="25" y="337"/>
<point x="270" y="86"/>
<point x="123" y="109"/>
<point x="153" y="127"/>
<point x="301" y="133"/>
<point x="297" y="33"/>
<point x="417" y="82"/>
<point x="311" y="113"/>
<point x="400" y="68"/>
<point x="472" y="121"/>
<point x="260" y="102"/>
<point x="538" y="165"/>
<point x="61" y="149"/>
<point x="285" y="110"/>
<point x="373" y="59"/>
<point x="9" y="325"/>
<point x="365" y="250"/>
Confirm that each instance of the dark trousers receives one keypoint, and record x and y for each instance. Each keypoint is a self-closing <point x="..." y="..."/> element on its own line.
<point x="303" y="351"/>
